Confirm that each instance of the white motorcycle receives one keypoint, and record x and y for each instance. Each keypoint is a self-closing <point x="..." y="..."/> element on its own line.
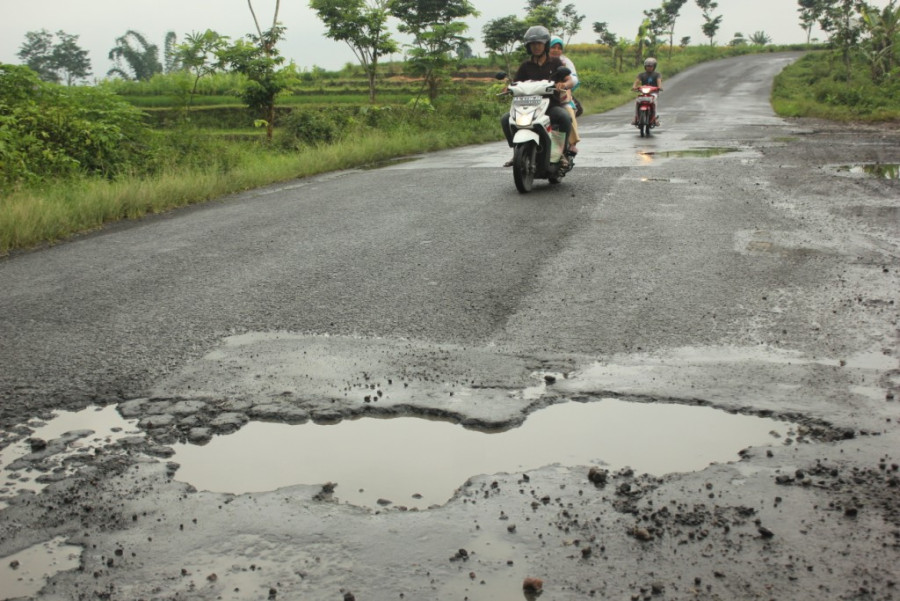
<point x="539" y="149"/>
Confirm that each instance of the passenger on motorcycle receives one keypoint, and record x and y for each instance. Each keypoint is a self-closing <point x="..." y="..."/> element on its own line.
<point x="541" y="66"/>
<point x="556" y="51"/>
<point x="649" y="77"/>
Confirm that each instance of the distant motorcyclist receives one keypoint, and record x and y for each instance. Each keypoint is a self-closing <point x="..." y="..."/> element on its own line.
<point x="540" y="66"/>
<point x="649" y="77"/>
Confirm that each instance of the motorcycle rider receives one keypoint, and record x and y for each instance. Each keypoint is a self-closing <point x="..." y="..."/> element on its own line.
<point x="556" y="51"/>
<point x="649" y="77"/>
<point x="540" y="66"/>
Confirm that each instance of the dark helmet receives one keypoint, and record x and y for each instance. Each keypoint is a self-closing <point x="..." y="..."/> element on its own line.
<point x="538" y="33"/>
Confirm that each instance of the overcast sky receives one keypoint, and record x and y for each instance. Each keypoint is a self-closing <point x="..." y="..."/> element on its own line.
<point x="99" y="22"/>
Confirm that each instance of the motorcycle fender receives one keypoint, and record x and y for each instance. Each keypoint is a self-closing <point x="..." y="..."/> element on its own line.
<point x="526" y="135"/>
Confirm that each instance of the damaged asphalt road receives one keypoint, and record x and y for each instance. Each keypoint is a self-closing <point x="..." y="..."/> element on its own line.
<point x="762" y="282"/>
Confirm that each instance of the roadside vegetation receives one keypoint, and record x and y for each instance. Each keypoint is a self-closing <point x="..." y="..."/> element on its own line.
<point x="218" y="116"/>
<point x="856" y="77"/>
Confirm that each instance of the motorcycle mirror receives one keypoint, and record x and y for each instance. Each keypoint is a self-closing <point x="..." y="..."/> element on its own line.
<point x="500" y="75"/>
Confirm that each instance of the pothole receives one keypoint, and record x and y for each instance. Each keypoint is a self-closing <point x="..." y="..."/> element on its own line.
<point x="889" y="171"/>
<point x="55" y="448"/>
<point x="419" y="463"/>
<point x="25" y="573"/>
<point x="691" y="152"/>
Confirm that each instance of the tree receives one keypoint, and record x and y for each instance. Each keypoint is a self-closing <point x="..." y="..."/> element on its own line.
<point x="258" y="58"/>
<point x="199" y="54"/>
<point x="137" y="54"/>
<point x="882" y="29"/>
<point x="545" y="13"/>
<point x="70" y="60"/>
<point x="362" y="24"/>
<point x="37" y="54"/>
<point x="672" y="9"/>
<point x="170" y="54"/>
<point x="810" y="11"/>
<point x="839" y="19"/>
<point x="711" y="24"/>
<point x="606" y="37"/>
<point x="464" y="51"/>
<point x="656" y="24"/>
<point x="503" y="36"/>
<point x="570" y="23"/>
<point x="738" y="40"/>
<point x="437" y="32"/>
<point x="63" y="61"/>
<point x="760" y="38"/>
<point x="641" y="41"/>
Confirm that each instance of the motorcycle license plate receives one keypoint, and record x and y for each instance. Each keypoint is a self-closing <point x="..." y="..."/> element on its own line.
<point x="527" y="100"/>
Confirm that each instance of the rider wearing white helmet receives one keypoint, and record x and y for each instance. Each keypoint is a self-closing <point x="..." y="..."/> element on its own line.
<point x="649" y="77"/>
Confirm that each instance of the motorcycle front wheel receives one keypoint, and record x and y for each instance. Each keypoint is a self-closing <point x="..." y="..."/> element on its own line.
<point x="524" y="166"/>
<point x="644" y="124"/>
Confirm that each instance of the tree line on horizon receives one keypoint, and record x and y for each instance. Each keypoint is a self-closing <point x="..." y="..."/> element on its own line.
<point x="439" y="41"/>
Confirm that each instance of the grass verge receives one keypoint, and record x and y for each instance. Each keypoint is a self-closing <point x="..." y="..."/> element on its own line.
<point x="817" y="86"/>
<point x="56" y="211"/>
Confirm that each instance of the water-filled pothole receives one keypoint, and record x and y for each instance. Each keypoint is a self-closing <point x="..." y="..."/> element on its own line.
<point x="876" y="170"/>
<point x="417" y="463"/>
<point x="47" y="454"/>
<point x="691" y="152"/>
<point x="25" y="573"/>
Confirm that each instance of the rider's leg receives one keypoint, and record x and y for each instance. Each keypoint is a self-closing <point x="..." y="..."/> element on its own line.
<point x="573" y="131"/>
<point x="560" y="119"/>
<point x="563" y="124"/>
<point x="507" y="131"/>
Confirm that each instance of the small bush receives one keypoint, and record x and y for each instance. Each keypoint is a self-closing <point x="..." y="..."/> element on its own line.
<point x="50" y="131"/>
<point x="310" y="127"/>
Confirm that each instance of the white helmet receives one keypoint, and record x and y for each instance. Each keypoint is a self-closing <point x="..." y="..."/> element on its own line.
<point x="650" y="62"/>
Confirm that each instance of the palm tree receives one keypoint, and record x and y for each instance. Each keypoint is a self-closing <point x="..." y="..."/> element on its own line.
<point x="760" y="38"/>
<point x="140" y="56"/>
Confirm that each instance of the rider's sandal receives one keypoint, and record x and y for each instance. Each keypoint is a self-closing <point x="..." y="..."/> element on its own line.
<point x="509" y="163"/>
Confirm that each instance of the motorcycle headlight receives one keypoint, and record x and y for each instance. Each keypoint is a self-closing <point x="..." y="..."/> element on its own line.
<point x="524" y="118"/>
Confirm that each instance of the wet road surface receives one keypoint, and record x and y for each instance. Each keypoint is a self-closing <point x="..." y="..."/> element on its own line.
<point x="729" y="261"/>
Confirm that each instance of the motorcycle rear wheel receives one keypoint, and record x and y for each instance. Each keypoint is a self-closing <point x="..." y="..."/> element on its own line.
<point x="524" y="166"/>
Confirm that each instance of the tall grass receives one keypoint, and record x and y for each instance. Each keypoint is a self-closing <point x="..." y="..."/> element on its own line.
<point x="816" y="87"/>
<point x="29" y="217"/>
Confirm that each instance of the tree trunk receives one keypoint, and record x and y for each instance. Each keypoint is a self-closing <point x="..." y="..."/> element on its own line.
<point x="371" y="75"/>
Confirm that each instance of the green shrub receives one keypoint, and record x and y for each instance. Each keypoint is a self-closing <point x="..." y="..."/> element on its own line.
<point x="593" y="81"/>
<point x="309" y="127"/>
<point x="50" y="131"/>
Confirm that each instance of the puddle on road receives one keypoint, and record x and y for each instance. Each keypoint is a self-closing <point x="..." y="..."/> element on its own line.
<point x="25" y="573"/>
<point x="418" y="463"/>
<point x="877" y="170"/>
<point x="67" y="434"/>
<point x="692" y="152"/>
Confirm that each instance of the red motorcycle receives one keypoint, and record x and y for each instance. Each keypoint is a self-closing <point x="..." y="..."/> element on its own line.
<point x="645" y="111"/>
